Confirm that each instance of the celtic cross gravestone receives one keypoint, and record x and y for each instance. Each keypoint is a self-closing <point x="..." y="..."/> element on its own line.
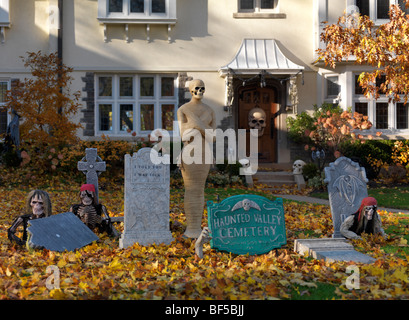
<point x="92" y="166"/>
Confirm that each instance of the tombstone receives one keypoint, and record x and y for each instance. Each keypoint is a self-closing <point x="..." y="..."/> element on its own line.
<point x="346" y="188"/>
<point x="146" y="216"/>
<point x="330" y="250"/>
<point x="92" y="166"/>
<point x="59" y="232"/>
<point x="246" y="224"/>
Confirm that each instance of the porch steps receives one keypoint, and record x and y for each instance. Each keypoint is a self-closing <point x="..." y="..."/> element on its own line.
<point x="274" y="179"/>
<point x="274" y="175"/>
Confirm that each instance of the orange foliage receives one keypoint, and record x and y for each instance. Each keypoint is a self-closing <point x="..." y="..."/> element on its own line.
<point x="382" y="46"/>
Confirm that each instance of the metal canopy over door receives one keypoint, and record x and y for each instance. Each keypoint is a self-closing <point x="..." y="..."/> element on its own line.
<point x="251" y="97"/>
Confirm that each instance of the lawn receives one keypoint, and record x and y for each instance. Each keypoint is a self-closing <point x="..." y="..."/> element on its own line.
<point x="104" y="271"/>
<point x="387" y="197"/>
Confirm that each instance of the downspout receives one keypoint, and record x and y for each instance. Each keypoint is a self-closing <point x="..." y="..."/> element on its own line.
<point x="60" y="29"/>
<point x="59" y="40"/>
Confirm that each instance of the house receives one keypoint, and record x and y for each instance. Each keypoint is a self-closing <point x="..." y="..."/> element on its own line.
<point x="133" y="60"/>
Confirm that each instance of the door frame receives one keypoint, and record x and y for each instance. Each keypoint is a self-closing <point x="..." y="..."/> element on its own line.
<point x="279" y="88"/>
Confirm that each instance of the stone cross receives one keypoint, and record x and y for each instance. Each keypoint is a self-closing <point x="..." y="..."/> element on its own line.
<point x="92" y="168"/>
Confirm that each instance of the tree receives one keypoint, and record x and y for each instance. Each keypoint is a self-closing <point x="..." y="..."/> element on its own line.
<point x="45" y="102"/>
<point x="329" y="128"/>
<point x="46" y="105"/>
<point x="384" y="47"/>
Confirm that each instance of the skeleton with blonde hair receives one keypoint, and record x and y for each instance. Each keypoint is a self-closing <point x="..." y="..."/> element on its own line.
<point x="37" y="205"/>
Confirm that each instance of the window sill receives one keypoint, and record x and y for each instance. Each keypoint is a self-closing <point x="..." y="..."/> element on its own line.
<point x="126" y="22"/>
<point x="258" y="15"/>
<point x="136" y="21"/>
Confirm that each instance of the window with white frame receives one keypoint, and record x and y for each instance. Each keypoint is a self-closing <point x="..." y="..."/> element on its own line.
<point x="135" y="11"/>
<point x="378" y="10"/>
<point x="383" y="114"/>
<point x="259" y="9"/>
<point x="332" y="89"/>
<point x="135" y="103"/>
<point x="257" y="5"/>
<point x="4" y="118"/>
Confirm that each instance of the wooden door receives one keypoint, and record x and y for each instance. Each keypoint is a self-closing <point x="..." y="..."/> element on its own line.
<point x="256" y="97"/>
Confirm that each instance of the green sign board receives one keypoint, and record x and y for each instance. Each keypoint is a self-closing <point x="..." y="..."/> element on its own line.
<point x="246" y="224"/>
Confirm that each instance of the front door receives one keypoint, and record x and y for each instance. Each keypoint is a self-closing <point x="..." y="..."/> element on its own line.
<point x="256" y="97"/>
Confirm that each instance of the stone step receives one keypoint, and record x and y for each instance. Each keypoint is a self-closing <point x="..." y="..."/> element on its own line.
<point x="283" y="176"/>
<point x="279" y="178"/>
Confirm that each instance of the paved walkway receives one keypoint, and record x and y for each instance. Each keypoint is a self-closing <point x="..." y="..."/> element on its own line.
<point x="326" y="202"/>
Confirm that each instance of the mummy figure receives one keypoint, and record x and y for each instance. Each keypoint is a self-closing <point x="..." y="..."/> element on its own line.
<point x="93" y="214"/>
<point x="37" y="205"/>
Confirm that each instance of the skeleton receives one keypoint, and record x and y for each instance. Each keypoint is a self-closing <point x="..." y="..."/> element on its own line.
<point x="37" y="205"/>
<point x="366" y="219"/>
<point x="298" y="166"/>
<point x="257" y="120"/>
<point x="203" y="238"/>
<point x="90" y="212"/>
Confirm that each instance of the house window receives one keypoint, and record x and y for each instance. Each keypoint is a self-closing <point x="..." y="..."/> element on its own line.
<point x="333" y="88"/>
<point x="378" y="10"/>
<point x="401" y="116"/>
<point x="384" y="115"/>
<point x="264" y="9"/>
<point x="136" y="11"/>
<point x="381" y="115"/>
<point x="4" y="118"/>
<point x="138" y="103"/>
<point x="257" y="5"/>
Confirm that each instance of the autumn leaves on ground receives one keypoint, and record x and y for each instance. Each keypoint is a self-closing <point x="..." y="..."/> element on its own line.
<point x="104" y="271"/>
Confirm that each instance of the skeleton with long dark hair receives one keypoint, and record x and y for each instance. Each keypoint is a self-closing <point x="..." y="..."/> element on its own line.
<point x="93" y="214"/>
<point x="37" y="205"/>
<point x="365" y="220"/>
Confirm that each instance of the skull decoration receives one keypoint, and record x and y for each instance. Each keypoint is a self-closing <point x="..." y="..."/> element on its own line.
<point x="197" y="89"/>
<point x="37" y="204"/>
<point x="369" y="211"/>
<point x="257" y="120"/>
<point x="298" y="166"/>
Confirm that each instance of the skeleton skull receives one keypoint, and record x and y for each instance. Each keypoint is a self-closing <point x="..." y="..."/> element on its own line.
<point x="86" y="198"/>
<point x="369" y="212"/>
<point x="257" y="120"/>
<point x="246" y="204"/>
<point x="297" y="166"/>
<point x="197" y="88"/>
<point x="37" y="205"/>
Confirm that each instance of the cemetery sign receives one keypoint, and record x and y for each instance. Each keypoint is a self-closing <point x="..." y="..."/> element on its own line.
<point x="247" y="224"/>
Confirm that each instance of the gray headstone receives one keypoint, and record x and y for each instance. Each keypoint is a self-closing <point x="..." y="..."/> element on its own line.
<point x="60" y="232"/>
<point x="346" y="189"/>
<point x="146" y="216"/>
<point x="330" y="250"/>
<point x="92" y="166"/>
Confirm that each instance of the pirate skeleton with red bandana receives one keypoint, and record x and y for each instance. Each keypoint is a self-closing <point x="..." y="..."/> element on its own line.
<point x="366" y="219"/>
<point x="93" y="214"/>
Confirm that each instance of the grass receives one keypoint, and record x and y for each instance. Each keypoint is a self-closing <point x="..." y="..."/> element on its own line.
<point x="393" y="197"/>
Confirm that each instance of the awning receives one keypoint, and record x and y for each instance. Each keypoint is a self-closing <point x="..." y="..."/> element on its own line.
<point x="256" y="55"/>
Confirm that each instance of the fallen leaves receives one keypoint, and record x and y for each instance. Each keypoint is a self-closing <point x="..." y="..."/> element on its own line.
<point x="103" y="271"/>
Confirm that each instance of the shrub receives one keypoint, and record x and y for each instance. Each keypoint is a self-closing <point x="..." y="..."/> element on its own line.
<point x="310" y="170"/>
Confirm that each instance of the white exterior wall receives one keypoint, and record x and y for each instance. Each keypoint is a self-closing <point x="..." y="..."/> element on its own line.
<point x="206" y="37"/>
